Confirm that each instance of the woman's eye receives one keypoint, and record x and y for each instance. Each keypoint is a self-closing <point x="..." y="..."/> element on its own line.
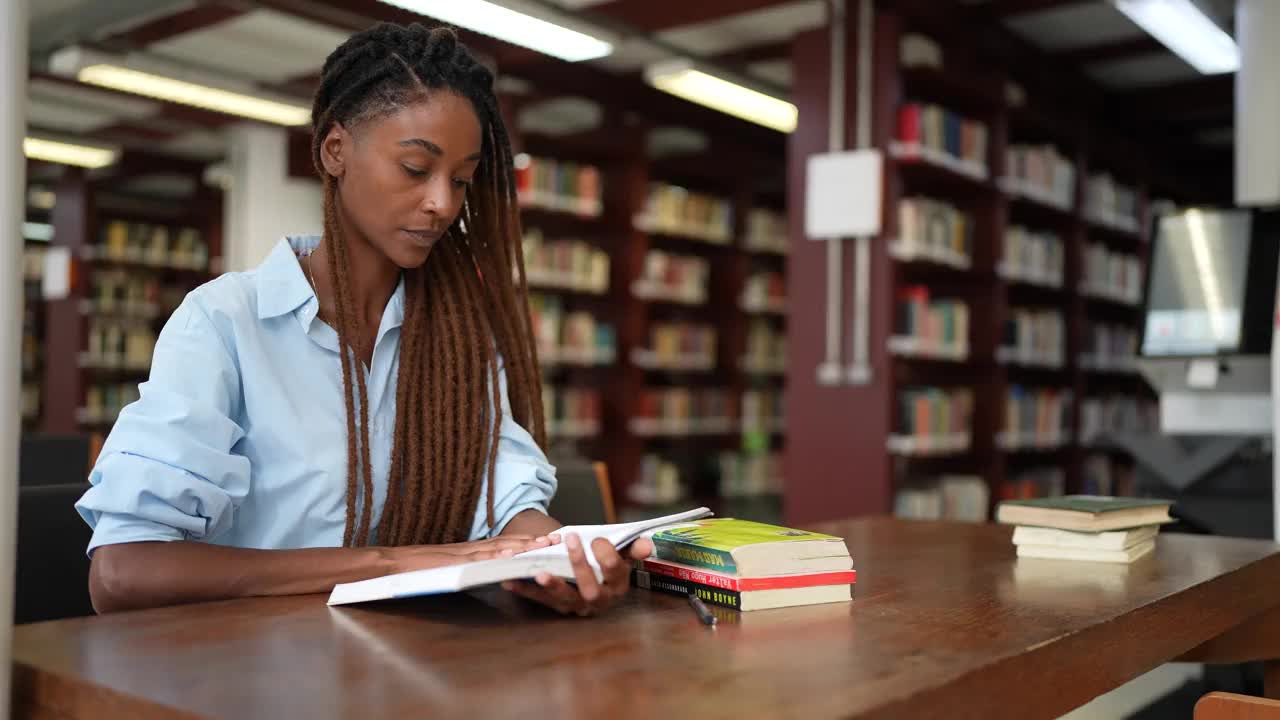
<point x="413" y="171"/>
<point x="462" y="182"/>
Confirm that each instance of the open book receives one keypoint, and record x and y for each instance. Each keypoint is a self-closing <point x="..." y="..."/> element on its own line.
<point x="553" y="559"/>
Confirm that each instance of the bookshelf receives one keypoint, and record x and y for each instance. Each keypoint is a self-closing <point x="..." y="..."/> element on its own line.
<point x="132" y="261"/>
<point x="1004" y="294"/>
<point x="658" y="299"/>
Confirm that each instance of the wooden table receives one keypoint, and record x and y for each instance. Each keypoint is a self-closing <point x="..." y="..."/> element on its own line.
<point x="946" y="623"/>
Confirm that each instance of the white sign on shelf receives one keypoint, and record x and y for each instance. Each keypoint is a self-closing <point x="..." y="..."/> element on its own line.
<point x="842" y="194"/>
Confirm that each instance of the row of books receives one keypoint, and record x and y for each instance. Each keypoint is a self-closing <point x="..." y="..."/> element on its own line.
<point x="750" y="474"/>
<point x="941" y="135"/>
<point x="927" y="327"/>
<point x="763" y="411"/>
<point x="565" y="337"/>
<point x="935" y="230"/>
<point x="565" y="264"/>
<point x="1101" y="416"/>
<point x="684" y="411"/>
<point x="1034" y="337"/>
<point x="659" y="482"/>
<point x="1111" y="203"/>
<point x="104" y="401"/>
<point x="1036" y="418"/>
<point x="674" y="278"/>
<point x="1040" y="173"/>
<point x="737" y="564"/>
<point x="676" y="211"/>
<point x="1111" y="275"/>
<point x="961" y="498"/>
<point x="679" y="346"/>
<point x="147" y="244"/>
<point x="1103" y="474"/>
<point x="1109" y="347"/>
<point x="572" y="412"/>
<point x="30" y="400"/>
<point x="767" y="232"/>
<point x="119" y="344"/>
<point x="1036" y="258"/>
<point x="33" y="262"/>
<point x="766" y="348"/>
<point x="936" y="419"/>
<point x="765" y="292"/>
<point x="560" y="186"/>
<point x="1038" y="482"/>
<point x="125" y="294"/>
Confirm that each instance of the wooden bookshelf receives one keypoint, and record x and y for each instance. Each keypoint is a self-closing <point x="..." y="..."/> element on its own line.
<point x="994" y="194"/>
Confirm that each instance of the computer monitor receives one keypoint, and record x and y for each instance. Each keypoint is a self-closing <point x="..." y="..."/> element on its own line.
<point x="1211" y="284"/>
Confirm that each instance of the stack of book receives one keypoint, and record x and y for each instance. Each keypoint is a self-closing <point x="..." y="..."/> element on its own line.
<point x="766" y="232"/>
<point x="933" y="229"/>
<point x="1032" y="257"/>
<point x="936" y="134"/>
<point x="930" y="327"/>
<point x="1112" y="204"/>
<point x="1112" y="275"/>
<point x="1041" y="173"/>
<point x="676" y="211"/>
<point x="1085" y="527"/>
<point x="561" y="186"/>
<point x="673" y="278"/>
<point x="747" y="565"/>
<point x="565" y="264"/>
<point x="1034" y="338"/>
<point x="765" y="292"/>
<point x="1036" y="418"/>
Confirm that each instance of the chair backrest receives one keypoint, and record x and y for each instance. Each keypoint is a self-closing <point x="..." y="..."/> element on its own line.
<point x="52" y="570"/>
<point x="583" y="496"/>
<point x="53" y="459"/>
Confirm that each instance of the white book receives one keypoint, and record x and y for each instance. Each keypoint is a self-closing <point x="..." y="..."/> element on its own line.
<point x="553" y="559"/>
<point x="1110" y="540"/>
<point x="1052" y="552"/>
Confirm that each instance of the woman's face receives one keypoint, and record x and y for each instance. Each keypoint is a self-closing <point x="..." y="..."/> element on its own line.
<point x="404" y="176"/>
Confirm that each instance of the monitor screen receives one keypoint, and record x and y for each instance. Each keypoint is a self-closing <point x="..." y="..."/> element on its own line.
<point x="1196" y="289"/>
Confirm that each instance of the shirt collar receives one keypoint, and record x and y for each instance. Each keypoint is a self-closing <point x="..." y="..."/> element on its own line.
<point x="283" y="288"/>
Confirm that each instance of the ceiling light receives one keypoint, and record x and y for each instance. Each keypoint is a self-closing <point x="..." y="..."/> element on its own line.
<point x="65" y="153"/>
<point x="682" y="79"/>
<point x="187" y="93"/>
<point x="510" y="26"/>
<point x="1187" y="31"/>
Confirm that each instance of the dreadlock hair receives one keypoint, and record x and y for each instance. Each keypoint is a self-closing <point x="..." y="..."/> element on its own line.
<point x="463" y="308"/>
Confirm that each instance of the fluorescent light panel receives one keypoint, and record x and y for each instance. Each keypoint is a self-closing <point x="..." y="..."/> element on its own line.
<point x="1185" y="30"/>
<point x="683" y="80"/>
<point x="187" y="93"/>
<point x="65" y="153"/>
<point x="510" y="26"/>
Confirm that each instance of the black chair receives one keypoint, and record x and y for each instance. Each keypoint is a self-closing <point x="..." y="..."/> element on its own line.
<point x="583" y="496"/>
<point x="52" y="579"/>
<point x="53" y="459"/>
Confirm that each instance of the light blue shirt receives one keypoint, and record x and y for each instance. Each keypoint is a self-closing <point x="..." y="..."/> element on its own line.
<point x="240" y="435"/>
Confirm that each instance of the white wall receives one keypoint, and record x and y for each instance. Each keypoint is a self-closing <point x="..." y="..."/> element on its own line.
<point x="1258" y="104"/>
<point x="262" y="203"/>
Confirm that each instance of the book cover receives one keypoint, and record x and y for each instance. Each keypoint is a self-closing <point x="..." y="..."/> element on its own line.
<point x="1088" y="513"/>
<point x="745" y="547"/>
<point x="725" y="581"/>
<point x="1111" y="540"/>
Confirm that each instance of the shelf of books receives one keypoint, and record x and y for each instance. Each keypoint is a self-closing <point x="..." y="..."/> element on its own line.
<point x="658" y="308"/>
<point x="1013" y="250"/>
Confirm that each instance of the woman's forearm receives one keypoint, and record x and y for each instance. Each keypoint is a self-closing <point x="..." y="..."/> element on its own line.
<point x="148" y="574"/>
<point x="534" y="523"/>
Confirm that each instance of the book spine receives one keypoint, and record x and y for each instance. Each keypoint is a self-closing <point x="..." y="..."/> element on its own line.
<point x="677" y="586"/>
<point x="725" y="582"/>
<point x="696" y="555"/>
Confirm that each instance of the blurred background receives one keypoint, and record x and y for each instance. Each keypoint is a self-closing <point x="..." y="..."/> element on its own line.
<point x="998" y="174"/>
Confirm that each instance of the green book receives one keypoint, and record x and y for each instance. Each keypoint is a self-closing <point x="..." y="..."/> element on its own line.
<point x="1085" y="513"/>
<point x="751" y="549"/>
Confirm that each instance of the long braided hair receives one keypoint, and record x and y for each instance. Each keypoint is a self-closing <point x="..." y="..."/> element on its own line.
<point x="464" y="311"/>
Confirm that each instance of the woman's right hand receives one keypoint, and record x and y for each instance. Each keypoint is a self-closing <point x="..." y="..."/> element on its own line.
<point x="424" y="557"/>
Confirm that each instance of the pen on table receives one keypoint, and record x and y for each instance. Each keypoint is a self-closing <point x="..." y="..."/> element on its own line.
<point x="699" y="607"/>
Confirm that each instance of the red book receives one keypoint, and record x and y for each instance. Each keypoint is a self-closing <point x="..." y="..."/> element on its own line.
<point x="909" y="123"/>
<point x="747" y="584"/>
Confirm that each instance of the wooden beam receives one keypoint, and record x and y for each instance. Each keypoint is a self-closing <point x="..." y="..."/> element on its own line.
<point x="1014" y="8"/>
<point x="199" y="17"/>
<point x="1144" y="45"/>
<point x="649" y="16"/>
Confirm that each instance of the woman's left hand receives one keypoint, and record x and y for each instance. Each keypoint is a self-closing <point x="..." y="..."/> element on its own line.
<point x="589" y="595"/>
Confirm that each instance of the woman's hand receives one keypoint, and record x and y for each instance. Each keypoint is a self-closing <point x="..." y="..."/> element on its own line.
<point x="589" y="595"/>
<point x="423" y="557"/>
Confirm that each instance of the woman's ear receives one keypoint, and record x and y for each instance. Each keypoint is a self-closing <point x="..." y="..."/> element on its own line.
<point x="334" y="149"/>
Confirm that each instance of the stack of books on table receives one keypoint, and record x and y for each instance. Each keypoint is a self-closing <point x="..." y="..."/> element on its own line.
<point x="1085" y="527"/>
<point x="747" y="565"/>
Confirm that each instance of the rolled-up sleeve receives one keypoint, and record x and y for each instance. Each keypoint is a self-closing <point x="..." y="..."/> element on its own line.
<point x="523" y="477"/>
<point x="167" y="470"/>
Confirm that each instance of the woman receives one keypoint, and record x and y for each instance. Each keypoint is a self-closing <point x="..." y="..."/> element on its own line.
<point x="262" y="460"/>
